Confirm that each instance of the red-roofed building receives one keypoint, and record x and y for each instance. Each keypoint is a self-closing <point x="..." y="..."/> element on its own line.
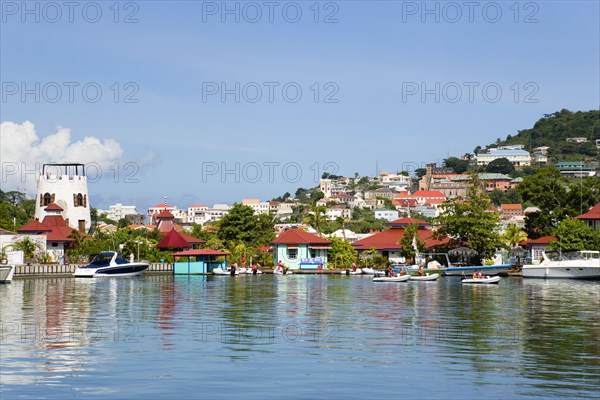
<point x="55" y="230"/>
<point x="177" y="240"/>
<point x="199" y="261"/>
<point x="537" y="246"/>
<point x="592" y="217"/>
<point x="154" y="210"/>
<point x="299" y="249"/>
<point x="387" y="242"/>
<point x="166" y="222"/>
<point x="509" y="211"/>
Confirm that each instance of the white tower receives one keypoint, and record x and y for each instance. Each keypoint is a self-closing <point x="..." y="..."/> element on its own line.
<point x="65" y="185"/>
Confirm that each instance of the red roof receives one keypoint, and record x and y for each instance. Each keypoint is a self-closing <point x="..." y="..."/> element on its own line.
<point x="434" y="201"/>
<point x="53" y="207"/>
<point x="34" y="226"/>
<point x="298" y="236"/>
<point x="198" y="206"/>
<point x="594" y="213"/>
<point x="164" y="214"/>
<point x="388" y="240"/>
<point x="200" y="252"/>
<point x="54" y="220"/>
<point x="162" y="205"/>
<point x="516" y="207"/>
<point x="405" y="202"/>
<point x="60" y="234"/>
<point x="191" y="239"/>
<point x="542" y="240"/>
<point x="408" y="221"/>
<point x="428" y="193"/>
<point x="173" y="240"/>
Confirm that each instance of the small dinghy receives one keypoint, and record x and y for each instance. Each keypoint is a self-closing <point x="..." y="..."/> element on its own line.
<point x="221" y="271"/>
<point x="399" y="278"/>
<point x="280" y="272"/>
<point x="482" y="281"/>
<point x="351" y="272"/>
<point x="371" y="271"/>
<point x="425" y="278"/>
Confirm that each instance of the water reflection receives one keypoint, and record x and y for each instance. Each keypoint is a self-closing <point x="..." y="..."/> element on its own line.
<point x="61" y="335"/>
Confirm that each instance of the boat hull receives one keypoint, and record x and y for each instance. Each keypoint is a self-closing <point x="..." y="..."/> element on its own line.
<point x="401" y="278"/>
<point x="351" y="272"/>
<point x="482" y="281"/>
<point x="425" y="278"/>
<point x="558" y="272"/>
<point x="6" y="273"/>
<point x="485" y="269"/>
<point x="111" y="272"/>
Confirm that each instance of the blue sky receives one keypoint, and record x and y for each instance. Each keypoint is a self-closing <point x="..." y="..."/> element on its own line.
<point x="370" y="63"/>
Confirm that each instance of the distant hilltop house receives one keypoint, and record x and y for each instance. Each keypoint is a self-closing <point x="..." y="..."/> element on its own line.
<point x="118" y="211"/>
<point x="575" y="168"/>
<point x="517" y="157"/>
<point x="577" y="140"/>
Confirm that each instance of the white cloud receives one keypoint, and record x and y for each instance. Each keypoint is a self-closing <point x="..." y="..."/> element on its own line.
<point x="23" y="151"/>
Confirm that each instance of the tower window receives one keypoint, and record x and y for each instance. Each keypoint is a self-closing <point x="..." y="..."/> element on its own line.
<point x="78" y="200"/>
<point x="47" y="199"/>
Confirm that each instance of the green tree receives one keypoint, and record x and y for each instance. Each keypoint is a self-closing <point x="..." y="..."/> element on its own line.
<point x="342" y="220"/>
<point x="459" y="166"/>
<point x="316" y="218"/>
<point x="242" y="225"/>
<point x="500" y="166"/>
<point x="513" y="235"/>
<point x="29" y="248"/>
<point x="341" y="254"/>
<point x="574" y="234"/>
<point x="409" y="240"/>
<point x="469" y="222"/>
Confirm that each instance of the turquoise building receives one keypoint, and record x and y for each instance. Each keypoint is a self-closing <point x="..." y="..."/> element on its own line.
<point x="199" y="261"/>
<point x="298" y="249"/>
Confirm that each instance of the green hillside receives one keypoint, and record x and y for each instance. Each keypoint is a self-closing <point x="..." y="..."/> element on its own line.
<point x="552" y="130"/>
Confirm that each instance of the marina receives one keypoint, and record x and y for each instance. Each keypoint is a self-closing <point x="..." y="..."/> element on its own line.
<point x="175" y="335"/>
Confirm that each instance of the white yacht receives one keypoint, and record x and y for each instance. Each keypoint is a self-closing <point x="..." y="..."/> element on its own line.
<point x="583" y="264"/>
<point x="108" y="264"/>
<point x="6" y="273"/>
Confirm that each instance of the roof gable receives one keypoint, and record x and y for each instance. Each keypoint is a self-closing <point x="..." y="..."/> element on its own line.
<point x="298" y="236"/>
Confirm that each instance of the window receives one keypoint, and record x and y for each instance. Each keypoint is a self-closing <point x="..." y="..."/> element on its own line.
<point x="47" y="199"/>
<point x="78" y="200"/>
<point x="292" y="254"/>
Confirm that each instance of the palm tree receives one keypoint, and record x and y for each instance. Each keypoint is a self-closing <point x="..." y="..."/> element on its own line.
<point x="342" y="220"/>
<point x="514" y="235"/>
<point x="27" y="246"/>
<point x="316" y="218"/>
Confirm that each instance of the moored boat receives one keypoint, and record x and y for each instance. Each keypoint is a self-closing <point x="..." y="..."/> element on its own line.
<point x="351" y="272"/>
<point x="482" y="281"/>
<point x="399" y="278"/>
<point x="371" y="271"/>
<point x="221" y="271"/>
<point x="109" y="264"/>
<point x="583" y="264"/>
<point x="282" y="272"/>
<point x="424" y="278"/>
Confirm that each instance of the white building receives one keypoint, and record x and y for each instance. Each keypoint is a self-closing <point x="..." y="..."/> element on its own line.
<point x="118" y="211"/>
<point x="66" y="186"/>
<point x="519" y="158"/>
<point x="338" y="211"/>
<point x="202" y="214"/>
<point x="157" y="209"/>
<point x="259" y="207"/>
<point x="577" y="140"/>
<point x="389" y="215"/>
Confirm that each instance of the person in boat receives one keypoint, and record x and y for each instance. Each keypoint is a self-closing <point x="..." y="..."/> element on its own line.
<point x="390" y="271"/>
<point x="479" y="275"/>
<point x="354" y="267"/>
<point x="285" y="269"/>
<point x="475" y="275"/>
<point x="233" y="269"/>
<point x="420" y="271"/>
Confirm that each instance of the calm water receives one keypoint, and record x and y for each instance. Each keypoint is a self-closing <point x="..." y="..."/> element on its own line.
<point x="258" y="337"/>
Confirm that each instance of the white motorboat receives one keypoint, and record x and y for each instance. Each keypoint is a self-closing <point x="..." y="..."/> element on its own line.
<point x="109" y="264"/>
<point x="583" y="264"/>
<point x="6" y="273"/>
<point x="482" y="281"/>
<point x="249" y="271"/>
<point x="399" y="278"/>
<point x="424" y="278"/>
<point x="351" y="272"/>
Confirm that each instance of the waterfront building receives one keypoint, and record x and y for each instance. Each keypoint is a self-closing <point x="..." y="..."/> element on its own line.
<point x="199" y="261"/>
<point x="65" y="185"/>
<point x="536" y="246"/>
<point x="387" y="241"/>
<point x="299" y="249"/>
